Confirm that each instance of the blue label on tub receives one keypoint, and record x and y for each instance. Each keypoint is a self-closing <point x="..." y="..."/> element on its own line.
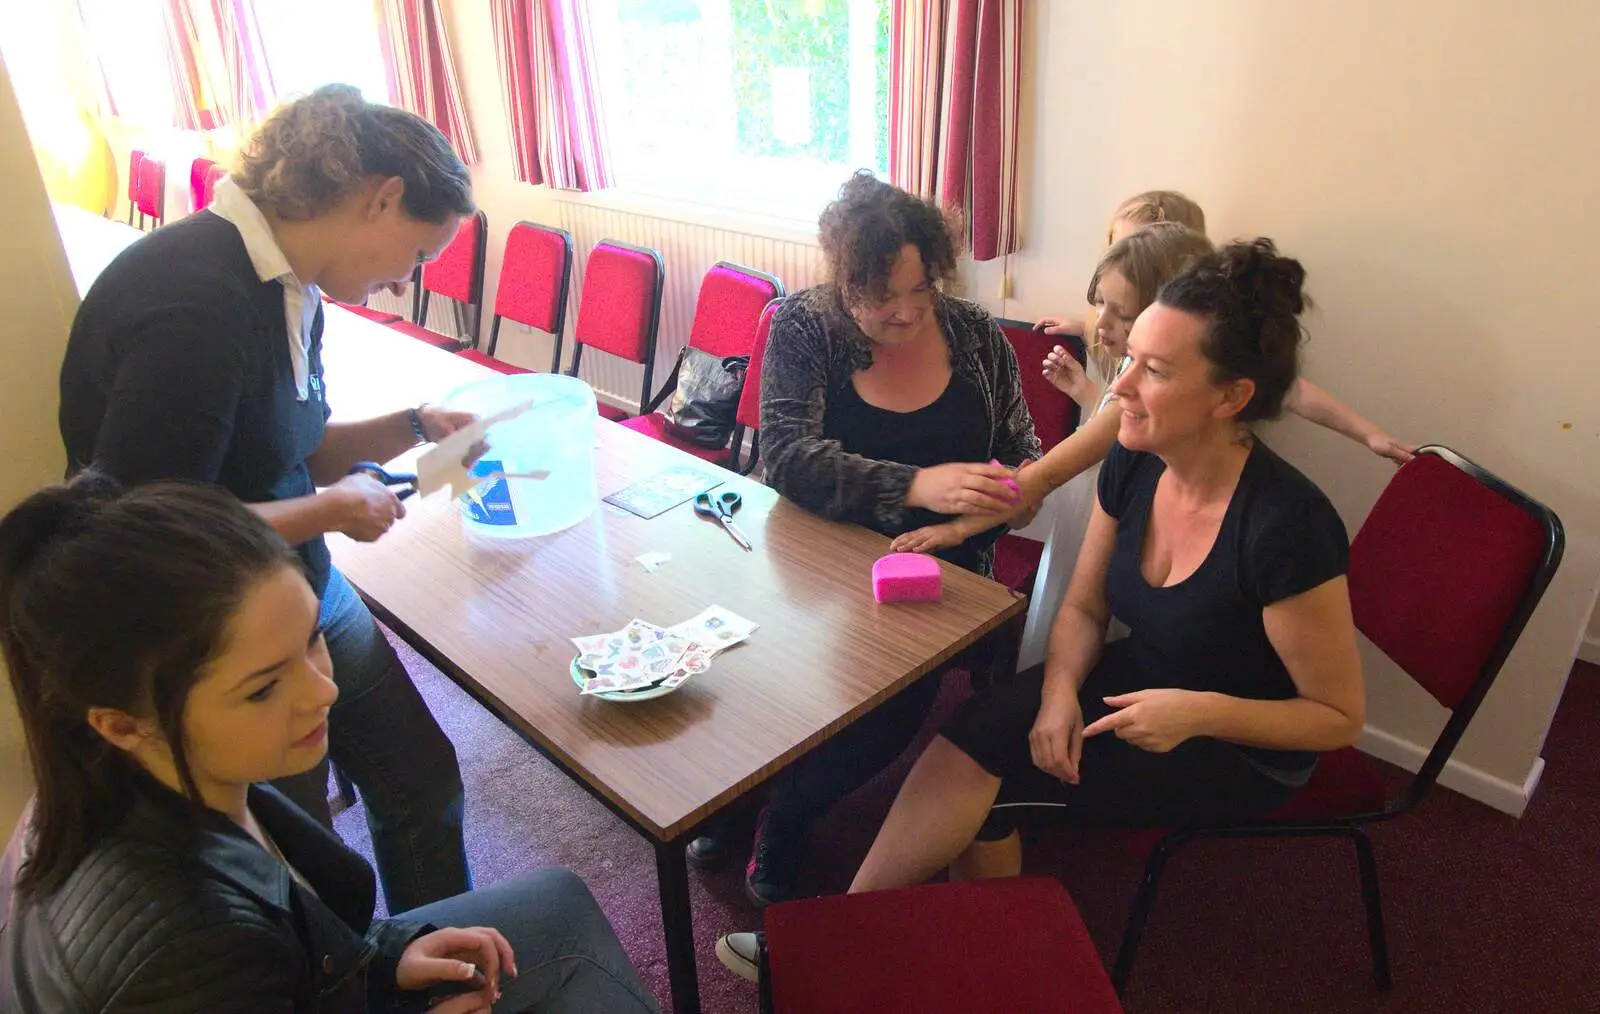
<point x="489" y="503"/>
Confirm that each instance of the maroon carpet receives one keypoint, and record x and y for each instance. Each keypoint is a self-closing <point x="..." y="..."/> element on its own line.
<point x="1485" y="913"/>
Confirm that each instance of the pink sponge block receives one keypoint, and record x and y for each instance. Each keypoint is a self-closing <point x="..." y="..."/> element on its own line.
<point x="906" y="577"/>
<point x="1016" y="491"/>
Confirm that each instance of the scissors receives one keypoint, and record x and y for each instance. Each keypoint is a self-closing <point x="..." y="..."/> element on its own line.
<point x="377" y="471"/>
<point x="720" y="509"/>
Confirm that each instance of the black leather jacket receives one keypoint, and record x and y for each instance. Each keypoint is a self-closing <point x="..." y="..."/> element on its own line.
<point x="181" y="911"/>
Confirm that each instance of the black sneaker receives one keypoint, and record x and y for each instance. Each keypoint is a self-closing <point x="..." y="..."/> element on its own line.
<point x="774" y="867"/>
<point x="708" y="851"/>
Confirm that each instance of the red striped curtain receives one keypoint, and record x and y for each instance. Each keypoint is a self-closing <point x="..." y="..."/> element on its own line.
<point x="545" y="50"/>
<point x="218" y="68"/>
<point x="954" y="101"/>
<point x="422" y="72"/>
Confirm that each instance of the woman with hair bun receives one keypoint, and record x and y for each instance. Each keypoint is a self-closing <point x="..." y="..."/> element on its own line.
<point x="197" y="354"/>
<point x="1228" y="567"/>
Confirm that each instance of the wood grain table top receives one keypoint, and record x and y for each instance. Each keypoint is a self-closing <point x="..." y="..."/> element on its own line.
<point x="497" y="615"/>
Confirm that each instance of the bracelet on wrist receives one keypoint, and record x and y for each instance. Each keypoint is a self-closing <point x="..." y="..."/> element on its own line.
<point x="415" y="416"/>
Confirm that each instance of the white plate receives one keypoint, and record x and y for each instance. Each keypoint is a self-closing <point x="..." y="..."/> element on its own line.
<point x="621" y="696"/>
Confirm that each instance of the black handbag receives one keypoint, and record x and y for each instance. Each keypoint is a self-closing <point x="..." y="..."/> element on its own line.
<point x="706" y="399"/>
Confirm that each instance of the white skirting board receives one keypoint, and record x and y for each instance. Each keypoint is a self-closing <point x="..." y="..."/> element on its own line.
<point x="1505" y="796"/>
<point x="1589" y="650"/>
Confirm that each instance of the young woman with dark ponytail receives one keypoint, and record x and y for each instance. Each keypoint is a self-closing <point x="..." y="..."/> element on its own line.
<point x="166" y="654"/>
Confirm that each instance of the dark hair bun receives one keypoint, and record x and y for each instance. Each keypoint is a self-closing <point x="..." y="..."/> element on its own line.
<point x="52" y="513"/>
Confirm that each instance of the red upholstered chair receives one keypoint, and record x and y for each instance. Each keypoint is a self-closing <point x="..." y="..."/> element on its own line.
<point x="748" y="417"/>
<point x="727" y="318"/>
<point x="1443" y="576"/>
<point x="199" y="169"/>
<point x="458" y="275"/>
<point x="135" y="159"/>
<point x="534" y="277"/>
<point x="1055" y="416"/>
<point x="208" y="191"/>
<point x="152" y="190"/>
<point x="619" y="311"/>
<point x="982" y="947"/>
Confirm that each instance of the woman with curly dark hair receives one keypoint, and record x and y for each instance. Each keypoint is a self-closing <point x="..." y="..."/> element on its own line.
<point x="197" y="354"/>
<point x="883" y="400"/>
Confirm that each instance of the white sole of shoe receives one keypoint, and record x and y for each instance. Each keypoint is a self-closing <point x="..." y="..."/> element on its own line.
<point x="737" y="963"/>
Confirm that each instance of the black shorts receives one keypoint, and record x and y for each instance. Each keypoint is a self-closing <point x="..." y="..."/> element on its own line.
<point x="1202" y="781"/>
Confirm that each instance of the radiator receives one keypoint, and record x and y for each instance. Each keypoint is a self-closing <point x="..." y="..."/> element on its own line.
<point x="687" y="252"/>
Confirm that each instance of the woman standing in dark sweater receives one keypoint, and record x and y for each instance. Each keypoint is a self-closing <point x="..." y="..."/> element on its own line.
<point x="197" y="354"/>
<point x="882" y="402"/>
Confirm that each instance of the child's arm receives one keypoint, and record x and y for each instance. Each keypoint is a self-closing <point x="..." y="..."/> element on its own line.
<point x="1089" y="444"/>
<point x="1310" y="402"/>
<point x="930" y="538"/>
<point x="1062" y="324"/>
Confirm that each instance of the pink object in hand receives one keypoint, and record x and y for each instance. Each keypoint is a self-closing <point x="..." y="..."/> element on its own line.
<point x="1016" y="491"/>
<point x="906" y="577"/>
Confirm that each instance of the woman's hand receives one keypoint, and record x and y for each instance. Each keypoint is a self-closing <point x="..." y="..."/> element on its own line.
<point x="962" y="488"/>
<point x="1060" y="325"/>
<point x="1153" y="720"/>
<point x="457" y="956"/>
<point x="366" y="507"/>
<point x="927" y="539"/>
<point x="1385" y="446"/>
<point x="438" y="423"/>
<point x="1056" y="739"/>
<point x="1066" y="375"/>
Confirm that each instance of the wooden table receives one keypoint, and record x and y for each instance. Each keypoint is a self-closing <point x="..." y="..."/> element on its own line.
<point x="496" y="616"/>
<point x="91" y="241"/>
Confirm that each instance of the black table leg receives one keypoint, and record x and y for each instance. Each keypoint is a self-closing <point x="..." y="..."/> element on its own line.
<point x="673" y="875"/>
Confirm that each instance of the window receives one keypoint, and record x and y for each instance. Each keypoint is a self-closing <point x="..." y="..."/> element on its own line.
<point x="745" y="103"/>
<point x="310" y="43"/>
<point x="129" y="41"/>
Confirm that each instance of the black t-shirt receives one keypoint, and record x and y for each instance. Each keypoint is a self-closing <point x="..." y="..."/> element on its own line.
<point x="1279" y="537"/>
<point x="178" y="367"/>
<point x="953" y="427"/>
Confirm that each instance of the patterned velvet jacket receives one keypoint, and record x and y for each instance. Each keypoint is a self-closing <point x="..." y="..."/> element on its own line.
<point x="813" y="351"/>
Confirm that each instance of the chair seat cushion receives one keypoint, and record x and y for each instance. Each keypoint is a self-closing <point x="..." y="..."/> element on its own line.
<point x="982" y="946"/>
<point x="1344" y="784"/>
<point x="1016" y="560"/>
<point x="490" y="362"/>
<point x="654" y="426"/>
<point x="422" y="334"/>
<point x="612" y="412"/>
<point x="376" y="316"/>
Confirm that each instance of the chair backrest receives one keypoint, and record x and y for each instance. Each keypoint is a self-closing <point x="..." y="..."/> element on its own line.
<point x="199" y="169"/>
<point x="152" y="187"/>
<point x="1444" y="574"/>
<point x="1055" y="415"/>
<point x="458" y="273"/>
<point x="534" y="276"/>
<point x="728" y="308"/>
<point x="749" y="412"/>
<point x="620" y="309"/>
<point x="135" y="160"/>
<point x="214" y="176"/>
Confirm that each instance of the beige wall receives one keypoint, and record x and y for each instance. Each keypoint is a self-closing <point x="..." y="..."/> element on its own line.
<point x="1434" y="164"/>
<point x="39" y="298"/>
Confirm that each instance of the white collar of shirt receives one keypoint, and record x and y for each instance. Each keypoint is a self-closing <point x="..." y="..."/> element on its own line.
<point x="299" y="298"/>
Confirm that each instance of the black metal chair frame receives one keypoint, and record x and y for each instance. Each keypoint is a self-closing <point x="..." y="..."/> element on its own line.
<point x="1353" y="827"/>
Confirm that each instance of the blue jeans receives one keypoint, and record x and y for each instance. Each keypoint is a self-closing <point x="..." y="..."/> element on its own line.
<point x="385" y="740"/>
<point x="568" y="957"/>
